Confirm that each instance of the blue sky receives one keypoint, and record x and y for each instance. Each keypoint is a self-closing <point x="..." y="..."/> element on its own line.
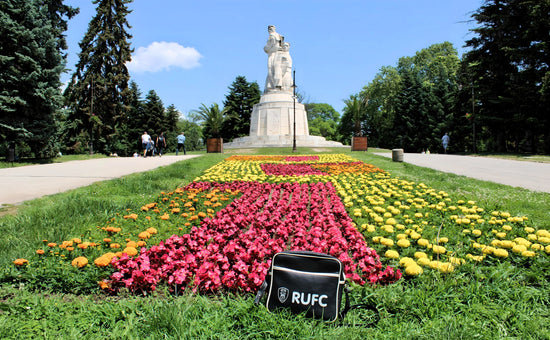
<point x="190" y="52"/>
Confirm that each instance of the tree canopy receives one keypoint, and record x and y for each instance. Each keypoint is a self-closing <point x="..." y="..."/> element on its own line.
<point x="98" y="95"/>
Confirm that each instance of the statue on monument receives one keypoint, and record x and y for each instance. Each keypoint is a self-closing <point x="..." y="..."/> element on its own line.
<point x="279" y="63"/>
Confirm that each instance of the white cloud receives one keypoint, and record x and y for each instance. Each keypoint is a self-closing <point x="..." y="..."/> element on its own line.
<point x="163" y="55"/>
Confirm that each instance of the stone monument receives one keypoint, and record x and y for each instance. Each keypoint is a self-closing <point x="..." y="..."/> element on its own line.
<point x="272" y="120"/>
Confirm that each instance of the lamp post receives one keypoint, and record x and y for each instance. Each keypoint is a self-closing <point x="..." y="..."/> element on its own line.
<point x="473" y="116"/>
<point x="294" y="97"/>
<point x="92" y="118"/>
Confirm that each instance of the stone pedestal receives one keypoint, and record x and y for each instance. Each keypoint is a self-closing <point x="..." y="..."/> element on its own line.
<point x="274" y="116"/>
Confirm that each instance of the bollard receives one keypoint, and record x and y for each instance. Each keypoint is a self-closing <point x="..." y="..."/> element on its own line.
<point x="397" y="155"/>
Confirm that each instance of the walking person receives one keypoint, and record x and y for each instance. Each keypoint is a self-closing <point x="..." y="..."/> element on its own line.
<point x="445" y="140"/>
<point x="181" y="144"/>
<point x="145" y="140"/>
<point x="161" y="143"/>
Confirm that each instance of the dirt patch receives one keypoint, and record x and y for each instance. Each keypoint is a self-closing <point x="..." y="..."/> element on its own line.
<point x="8" y="210"/>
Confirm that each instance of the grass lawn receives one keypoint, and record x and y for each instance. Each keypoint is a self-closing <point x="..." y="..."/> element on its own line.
<point x="497" y="298"/>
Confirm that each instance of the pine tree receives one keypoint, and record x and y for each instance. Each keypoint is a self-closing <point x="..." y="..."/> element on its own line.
<point x="31" y="62"/>
<point x="509" y="66"/>
<point x="238" y="105"/>
<point x="98" y="94"/>
<point x="154" y="114"/>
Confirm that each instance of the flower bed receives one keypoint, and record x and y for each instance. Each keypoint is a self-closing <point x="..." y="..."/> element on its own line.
<point x="219" y="232"/>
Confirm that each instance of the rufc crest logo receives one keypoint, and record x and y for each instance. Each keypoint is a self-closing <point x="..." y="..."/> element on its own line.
<point x="283" y="294"/>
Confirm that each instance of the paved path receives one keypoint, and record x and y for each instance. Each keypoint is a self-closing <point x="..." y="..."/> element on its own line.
<point x="529" y="175"/>
<point x="24" y="183"/>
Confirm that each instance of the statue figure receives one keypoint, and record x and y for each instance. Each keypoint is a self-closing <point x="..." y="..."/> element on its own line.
<point x="279" y="63"/>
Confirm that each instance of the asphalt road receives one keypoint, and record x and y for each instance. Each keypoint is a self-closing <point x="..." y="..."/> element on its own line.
<point x="24" y="183"/>
<point x="534" y="176"/>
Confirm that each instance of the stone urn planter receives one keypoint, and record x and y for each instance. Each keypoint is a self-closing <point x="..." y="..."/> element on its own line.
<point x="214" y="145"/>
<point x="359" y="144"/>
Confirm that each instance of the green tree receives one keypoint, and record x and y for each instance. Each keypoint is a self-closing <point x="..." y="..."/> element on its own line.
<point x="170" y="126"/>
<point x="509" y="67"/>
<point x="154" y="114"/>
<point x="382" y="93"/>
<point x="193" y="135"/>
<point x="31" y="62"/>
<point x="353" y="121"/>
<point x="238" y="106"/>
<point x="98" y="93"/>
<point x="323" y="120"/>
<point x="212" y="119"/>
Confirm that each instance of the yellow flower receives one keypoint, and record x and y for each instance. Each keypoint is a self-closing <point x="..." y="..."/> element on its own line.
<point x="392" y="254"/>
<point x="406" y="261"/>
<point x="528" y="253"/>
<point x="391" y="221"/>
<point x="476" y="232"/>
<point x="498" y="252"/>
<point x="420" y="255"/>
<point x="152" y="231"/>
<point x="423" y="242"/>
<point x="519" y="248"/>
<point x="79" y="262"/>
<point x="477" y="258"/>
<point x="439" y="249"/>
<point x="403" y="243"/>
<point x="424" y="261"/>
<point x="445" y="267"/>
<point x="443" y="240"/>
<point x="413" y="270"/>
<point x="387" y="242"/>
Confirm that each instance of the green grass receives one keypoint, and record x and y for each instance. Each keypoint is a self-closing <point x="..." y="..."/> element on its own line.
<point x="501" y="300"/>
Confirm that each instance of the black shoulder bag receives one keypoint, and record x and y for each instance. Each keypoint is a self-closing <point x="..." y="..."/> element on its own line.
<point x="308" y="282"/>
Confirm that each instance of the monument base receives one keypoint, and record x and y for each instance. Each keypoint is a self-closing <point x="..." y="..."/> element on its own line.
<point x="286" y="141"/>
<point x="272" y="124"/>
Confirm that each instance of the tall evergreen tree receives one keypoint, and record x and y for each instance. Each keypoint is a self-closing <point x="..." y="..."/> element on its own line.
<point x="98" y="94"/>
<point x="238" y="105"/>
<point x="170" y="128"/>
<point x="509" y="66"/>
<point x="31" y="61"/>
<point x="154" y="114"/>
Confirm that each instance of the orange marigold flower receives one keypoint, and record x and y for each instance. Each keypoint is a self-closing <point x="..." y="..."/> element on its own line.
<point x="40" y="251"/>
<point x="70" y="248"/>
<point x="176" y="211"/>
<point x="192" y="209"/>
<point x="113" y="229"/>
<point x="185" y="215"/>
<point x="141" y="243"/>
<point x="131" y="244"/>
<point x="165" y="217"/>
<point x="152" y="230"/>
<point x="76" y="240"/>
<point x="131" y="216"/>
<point x="115" y="245"/>
<point x="52" y="244"/>
<point x="202" y="214"/>
<point x="79" y="262"/>
<point x="104" y="260"/>
<point x="20" y="262"/>
<point x="103" y="284"/>
<point x="84" y="245"/>
<point x="107" y="240"/>
<point x="164" y="199"/>
<point x="157" y="211"/>
<point x="131" y="251"/>
<point x="187" y="224"/>
<point x="144" y="235"/>
<point x="148" y="217"/>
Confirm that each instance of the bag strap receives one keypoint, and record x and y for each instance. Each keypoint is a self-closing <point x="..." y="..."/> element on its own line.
<point x="348" y="308"/>
<point x="260" y="293"/>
